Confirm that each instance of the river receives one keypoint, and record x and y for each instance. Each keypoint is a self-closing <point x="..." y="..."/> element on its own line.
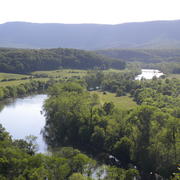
<point x="22" y="117"/>
<point x="149" y="74"/>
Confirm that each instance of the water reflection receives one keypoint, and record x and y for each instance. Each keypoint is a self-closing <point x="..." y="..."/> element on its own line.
<point x="149" y="74"/>
<point x="22" y="117"/>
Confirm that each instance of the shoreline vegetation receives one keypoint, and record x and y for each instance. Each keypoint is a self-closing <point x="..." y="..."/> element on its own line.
<point x="95" y="116"/>
<point x="130" y="126"/>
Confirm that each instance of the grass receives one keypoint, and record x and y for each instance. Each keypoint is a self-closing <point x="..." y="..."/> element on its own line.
<point x="64" y="73"/>
<point x="13" y="83"/>
<point x="177" y="76"/>
<point x="12" y="76"/>
<point x="18" y="82"/>
<point x="67" y="73"/>
<point x="116" y="70"/>
<point x="123" y="102"/>
<point x="58" y="74"/>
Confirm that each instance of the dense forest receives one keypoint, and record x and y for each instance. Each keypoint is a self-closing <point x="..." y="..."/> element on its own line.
<point x="25" y="61"/>
<point x="28" y="60"/>
<point x="166" y="60"/>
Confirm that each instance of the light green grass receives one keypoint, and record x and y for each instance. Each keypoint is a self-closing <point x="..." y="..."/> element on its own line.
<point x="64" y="73"/>
<point x="13" y="83"/>
<point x="72" y="72"/>
<point x="177" y="76"/>
<point x="116" y="71"/>
<point x="12" y="76"/>
<point x="57" y="74"/>
<point x="123" y="102"/>
<point x="18" y="82"/>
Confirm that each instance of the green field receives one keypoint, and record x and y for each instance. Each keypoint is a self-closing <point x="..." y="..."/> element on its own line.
<point x="64" y="73"/>
<point x="7" y="79"/>
<point x="71" y="72"/>
<point x="16" y="79"/>
<point x="177" y="76"/>
<point x="123" y="102"/>
<point x="18" y="82"/>
<point x="12" y="76"/>
<point x="116" y="71"/>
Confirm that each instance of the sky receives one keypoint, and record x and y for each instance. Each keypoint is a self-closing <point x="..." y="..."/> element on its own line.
<point x="88" y="11"/>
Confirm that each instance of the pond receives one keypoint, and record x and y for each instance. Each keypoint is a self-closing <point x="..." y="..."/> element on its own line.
<point x="22" y="117"/>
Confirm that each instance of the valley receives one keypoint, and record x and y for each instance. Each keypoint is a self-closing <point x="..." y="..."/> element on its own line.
<point x="71" y="114"/>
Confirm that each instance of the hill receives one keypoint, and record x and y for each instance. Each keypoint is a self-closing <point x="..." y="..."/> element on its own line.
<point x="164" y="34"/>
<point x="143" y="55"/>
<point x="28" y="60"/>
<point x="166" y="60"/>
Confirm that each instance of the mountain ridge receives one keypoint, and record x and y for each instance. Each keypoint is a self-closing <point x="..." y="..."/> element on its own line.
<point x="152" y="34"/>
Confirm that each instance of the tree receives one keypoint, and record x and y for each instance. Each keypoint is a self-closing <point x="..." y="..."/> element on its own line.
<point x="31" y="146"/>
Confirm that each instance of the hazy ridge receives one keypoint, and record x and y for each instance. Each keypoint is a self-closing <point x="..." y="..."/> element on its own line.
<point x="155" y="34"/>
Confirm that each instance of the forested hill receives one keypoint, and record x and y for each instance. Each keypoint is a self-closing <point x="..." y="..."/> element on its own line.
<point x="166" y="60"/>
<point x="164" y="34"/>
<point x="28" y="60"/>
<point x="143" y="55"/>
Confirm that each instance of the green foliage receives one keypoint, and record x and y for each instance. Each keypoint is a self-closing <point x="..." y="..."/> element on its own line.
<point x="18" y="162"/>
<point x="114" y="173"/>
<point x="78" y="176"/>
<point x="24" y="89"/>
<point x="123" y="102"/>
<point x="120" y="83"/>
<point x="28" y="60"/>
<point x="166" y="60"/>
<point x="146" y="136"/>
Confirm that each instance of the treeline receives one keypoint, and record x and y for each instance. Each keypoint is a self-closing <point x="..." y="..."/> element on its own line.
<point x="143" y="55"/>
<point x="166" y="60"/>
<point x="28" y="60"/>
<point x="165" y="67"/>
<point x="146" y="138"/>
<point x="24" y="89"/>
<point x="119" y="83"/>
<point x="123" y="83"/>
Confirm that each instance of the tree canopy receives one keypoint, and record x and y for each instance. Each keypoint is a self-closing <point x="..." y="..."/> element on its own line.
<point x="28" y="60"/>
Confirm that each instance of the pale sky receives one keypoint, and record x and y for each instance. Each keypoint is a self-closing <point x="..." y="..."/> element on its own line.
<point x="88" y="11"/>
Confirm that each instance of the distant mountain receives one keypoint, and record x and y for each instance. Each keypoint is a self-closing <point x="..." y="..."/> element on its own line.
<point x="155" y="34"/>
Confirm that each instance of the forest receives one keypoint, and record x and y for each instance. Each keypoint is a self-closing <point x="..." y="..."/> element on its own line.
<point x="166" y="60"/>
<point x="24" y="61"/>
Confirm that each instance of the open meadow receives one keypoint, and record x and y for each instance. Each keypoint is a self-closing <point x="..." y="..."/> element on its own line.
<point x="8" y="79"/>
<point x="123" y="102"/>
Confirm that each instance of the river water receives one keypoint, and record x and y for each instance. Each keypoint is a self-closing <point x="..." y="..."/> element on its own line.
<point x="23" y="117"/>
<point x="149" y="74"/>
